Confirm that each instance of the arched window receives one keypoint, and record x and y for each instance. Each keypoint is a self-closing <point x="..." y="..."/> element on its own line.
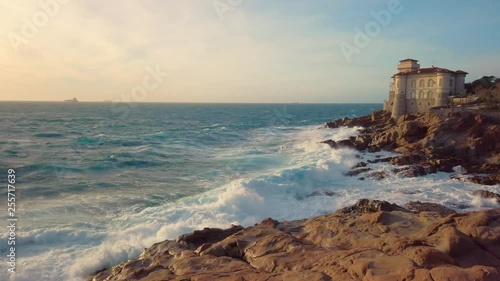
<point x="430" y="95"/>
<point x="413" y="83"/>
<point x="422" y="83"/>
<point x="413" y="94"/>
<point x="430" y="84"/>
<point x="421" y="95"/>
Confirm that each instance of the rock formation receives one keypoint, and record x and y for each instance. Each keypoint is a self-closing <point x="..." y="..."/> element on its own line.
<point x="373" y="240"/>
<point x="431" y="142"/>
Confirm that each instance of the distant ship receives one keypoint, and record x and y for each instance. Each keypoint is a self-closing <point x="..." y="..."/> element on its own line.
<point x="71" y="100"/>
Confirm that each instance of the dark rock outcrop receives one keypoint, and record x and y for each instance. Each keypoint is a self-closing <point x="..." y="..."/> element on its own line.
<point x="487" y="195"/>
<point x="418" y="207"/>
<point x="207" y="235"/>
<point x="370" y="206"/>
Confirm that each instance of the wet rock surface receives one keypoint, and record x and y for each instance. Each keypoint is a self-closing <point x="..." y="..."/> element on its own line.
<point x="372" y="240"/>
<point x="487" y="195"/>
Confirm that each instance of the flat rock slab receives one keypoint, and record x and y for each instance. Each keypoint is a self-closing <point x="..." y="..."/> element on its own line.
<point x="372" y="240"/>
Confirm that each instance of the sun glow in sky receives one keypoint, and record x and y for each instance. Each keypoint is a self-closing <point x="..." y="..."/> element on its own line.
<point x="235" y="50"/>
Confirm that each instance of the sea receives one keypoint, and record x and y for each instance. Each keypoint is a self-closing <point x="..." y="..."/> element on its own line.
<point x="96" y="183"/>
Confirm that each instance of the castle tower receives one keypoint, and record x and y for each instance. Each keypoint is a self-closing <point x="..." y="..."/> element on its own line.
<point x="408" y="65"/>
<point x="399" y="105"/>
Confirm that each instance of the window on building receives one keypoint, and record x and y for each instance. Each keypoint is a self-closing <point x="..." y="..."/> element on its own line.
<point x="451" y="82"/>
<point x="431" y="83"/>
<point x="413" y="94"/>
<point x="422" y="83"/>
<point x="414" y="83"/>
<point x="421" y="95"/>
<point x="430" y="94"/>
<point x="440" y="82"/>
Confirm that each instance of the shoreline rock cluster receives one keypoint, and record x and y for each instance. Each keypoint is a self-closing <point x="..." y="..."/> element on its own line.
<point x="372" y="240"/>
<point x="429" y="142"/>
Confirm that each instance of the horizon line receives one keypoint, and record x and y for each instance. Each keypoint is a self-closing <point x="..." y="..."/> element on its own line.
<point x="202" y="102"/>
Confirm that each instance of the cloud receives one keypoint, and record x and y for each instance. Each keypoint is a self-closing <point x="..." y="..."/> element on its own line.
<point x="260" y="52"/>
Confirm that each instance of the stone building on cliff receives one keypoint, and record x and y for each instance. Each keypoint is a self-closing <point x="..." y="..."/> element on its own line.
<point x="416" y="89"/>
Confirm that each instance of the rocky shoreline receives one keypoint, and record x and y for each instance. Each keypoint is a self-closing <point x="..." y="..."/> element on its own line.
<point x="372" y="240"/>
<point x="463" y="142"/>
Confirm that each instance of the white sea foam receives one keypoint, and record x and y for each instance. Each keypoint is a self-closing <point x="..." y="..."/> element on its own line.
<point x="307" y="180"/>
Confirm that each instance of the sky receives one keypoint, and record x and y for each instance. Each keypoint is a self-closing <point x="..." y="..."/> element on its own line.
<point x="257" y="51"/>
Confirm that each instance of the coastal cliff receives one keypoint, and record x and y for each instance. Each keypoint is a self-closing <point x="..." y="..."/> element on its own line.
<point x="372" y="240"/>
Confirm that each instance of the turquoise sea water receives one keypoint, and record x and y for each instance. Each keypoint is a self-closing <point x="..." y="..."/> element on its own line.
<point x="95" y="186"/>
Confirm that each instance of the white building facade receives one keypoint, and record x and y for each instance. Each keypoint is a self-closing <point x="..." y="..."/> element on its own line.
<point x="416" y="89"/>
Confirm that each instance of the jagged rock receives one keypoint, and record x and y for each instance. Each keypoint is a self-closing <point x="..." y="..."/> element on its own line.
<point x="354" y="143"/>
<point x="379" y="160"/>
<point x="487" y="195"/>
<point x="331" y="143"/>
<point x="346" y="143"/>
<point x="484" y="179"/>
<point x="407" y="159"/>
<point x="377" y="175"/>
<point x="379" y="117"/>
<point x="415" y="171"/>
<point x="479" y="179"/>
<point x="370" y="206"/>
<point x="269" y="222"/>
<point x="353" y="173"/>
<point x="207" y="235"/>
<point x="384" y="243"/>
<point x="418" y="207"/>
<point x="359" y="165"/>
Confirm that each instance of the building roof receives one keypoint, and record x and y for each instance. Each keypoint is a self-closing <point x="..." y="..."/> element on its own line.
<point x="408" y="60"/>
<point x="430" y="70"/>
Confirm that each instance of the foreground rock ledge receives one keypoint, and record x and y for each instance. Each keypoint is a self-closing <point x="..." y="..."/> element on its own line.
<point x="373" y="240"/>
